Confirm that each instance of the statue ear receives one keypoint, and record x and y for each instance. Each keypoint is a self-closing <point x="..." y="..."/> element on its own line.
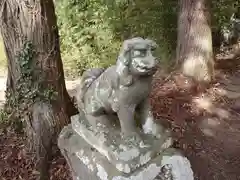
<point x="126" y="78"/>
<point x="152" y="43"/>
<point x="127" y="45"/>
<point x="123" y="70"/>
<point x="125" y="56"/>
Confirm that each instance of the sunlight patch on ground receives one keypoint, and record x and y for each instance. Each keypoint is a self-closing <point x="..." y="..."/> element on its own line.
<point x="208" y="125"/>
<point x="2" y="91"/>
<point x="3" y="83"/>
<point x="230" y="94"/>
<point x="203" y="102"/>
<point x="3" y="61"/>
<point x="222" y="113"/>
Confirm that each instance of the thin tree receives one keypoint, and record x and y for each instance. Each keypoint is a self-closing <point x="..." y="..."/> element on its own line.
<point x="194" y="47"/>
<point x="36" y="85"/>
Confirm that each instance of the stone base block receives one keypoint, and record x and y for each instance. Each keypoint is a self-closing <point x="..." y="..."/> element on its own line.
<point x="125" y="155"/>
<point x="86" y="163"/>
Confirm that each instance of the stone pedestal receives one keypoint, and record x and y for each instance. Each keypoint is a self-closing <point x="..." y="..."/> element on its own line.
<point x="105" y="156"/>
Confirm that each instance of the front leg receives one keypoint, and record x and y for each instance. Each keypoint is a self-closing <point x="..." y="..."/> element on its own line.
<point x="127" y="121"/>
<point x="149" y="126"/>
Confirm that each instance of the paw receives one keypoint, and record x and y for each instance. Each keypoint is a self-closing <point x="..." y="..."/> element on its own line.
<point x="115" y="105"/>
<point x="153" y="128"/>
<point x="131" y="137"/>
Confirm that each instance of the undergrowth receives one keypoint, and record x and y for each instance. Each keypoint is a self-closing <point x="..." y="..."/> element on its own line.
<point x="3" y="117"/>
<point x="92" y="31"/>
<point x="29" y="88"/>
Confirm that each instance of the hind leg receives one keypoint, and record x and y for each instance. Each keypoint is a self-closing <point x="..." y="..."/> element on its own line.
<point x="96" y="116"/>
<point x="99" y="123"/>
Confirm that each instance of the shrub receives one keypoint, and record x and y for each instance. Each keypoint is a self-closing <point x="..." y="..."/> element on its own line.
<point x="222" y="11"/>
<point x="92" y="30"/>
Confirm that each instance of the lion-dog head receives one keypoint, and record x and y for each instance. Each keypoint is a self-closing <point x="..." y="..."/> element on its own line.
<point x="136" y="59"/>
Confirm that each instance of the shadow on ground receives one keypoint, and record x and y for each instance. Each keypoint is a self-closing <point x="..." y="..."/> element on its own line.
<point x="206" y="125"/>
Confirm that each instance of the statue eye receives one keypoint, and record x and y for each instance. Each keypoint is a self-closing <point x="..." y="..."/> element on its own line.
<point x="136" y="53"/>
<point x="140" y="53"/>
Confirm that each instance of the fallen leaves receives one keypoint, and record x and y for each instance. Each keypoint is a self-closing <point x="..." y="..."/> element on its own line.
<point x="16" y="163"/>
<point x="210" y="149"/>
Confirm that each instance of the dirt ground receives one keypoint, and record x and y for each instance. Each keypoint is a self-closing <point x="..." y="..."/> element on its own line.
<point x="205" y="124"/>
<point x="206" y="127"/>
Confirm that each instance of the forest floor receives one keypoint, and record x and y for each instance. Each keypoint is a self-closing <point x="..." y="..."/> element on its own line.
<point x="206" y="126"/>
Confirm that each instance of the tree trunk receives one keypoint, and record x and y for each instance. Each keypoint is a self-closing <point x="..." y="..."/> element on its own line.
<point x="36" y="78"/>
<point x="194" y="48"/>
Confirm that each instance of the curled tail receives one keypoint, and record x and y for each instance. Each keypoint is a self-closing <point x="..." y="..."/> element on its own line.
<point x="88" y="77"/>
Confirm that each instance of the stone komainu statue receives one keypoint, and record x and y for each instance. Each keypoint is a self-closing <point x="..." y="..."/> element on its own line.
<point x="95" y="148"/>
<point x="121" y="89"/>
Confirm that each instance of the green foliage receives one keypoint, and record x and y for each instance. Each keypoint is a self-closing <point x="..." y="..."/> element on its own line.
<point x="222" y="11"/>
<point x="92" y="31"/>
<point x="3" y="117"/>
<point x="29" y="86"/>
<point x="22" y="98"/>
<point x="6" y="120"/>
<point x="86" y="38"/>
<point x="24" y="93"/>
<point x="149" y="19"/>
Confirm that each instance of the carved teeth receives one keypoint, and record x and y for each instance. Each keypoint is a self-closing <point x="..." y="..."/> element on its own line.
<point x="142" y="68"/>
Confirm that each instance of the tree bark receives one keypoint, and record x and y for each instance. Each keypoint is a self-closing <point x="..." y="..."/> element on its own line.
<point x="194" y="48"/>
<point x="35" y="22"/>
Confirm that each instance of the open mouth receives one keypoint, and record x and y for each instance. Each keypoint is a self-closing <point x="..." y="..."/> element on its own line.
<point x="143" y="68"/>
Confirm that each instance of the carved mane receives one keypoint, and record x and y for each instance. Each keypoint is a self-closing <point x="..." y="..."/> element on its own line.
<point x="88" y="77"/>
<point x="124" y="59"/>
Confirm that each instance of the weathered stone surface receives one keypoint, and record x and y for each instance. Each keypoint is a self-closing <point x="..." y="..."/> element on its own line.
<point x="115" y="136"/>
<point x="86" y="163"/>
<point x="121" y="89"/>
<point x="125" y="154"/>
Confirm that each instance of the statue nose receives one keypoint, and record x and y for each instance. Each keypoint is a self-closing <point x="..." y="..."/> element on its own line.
<point x="151" y="63"/>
